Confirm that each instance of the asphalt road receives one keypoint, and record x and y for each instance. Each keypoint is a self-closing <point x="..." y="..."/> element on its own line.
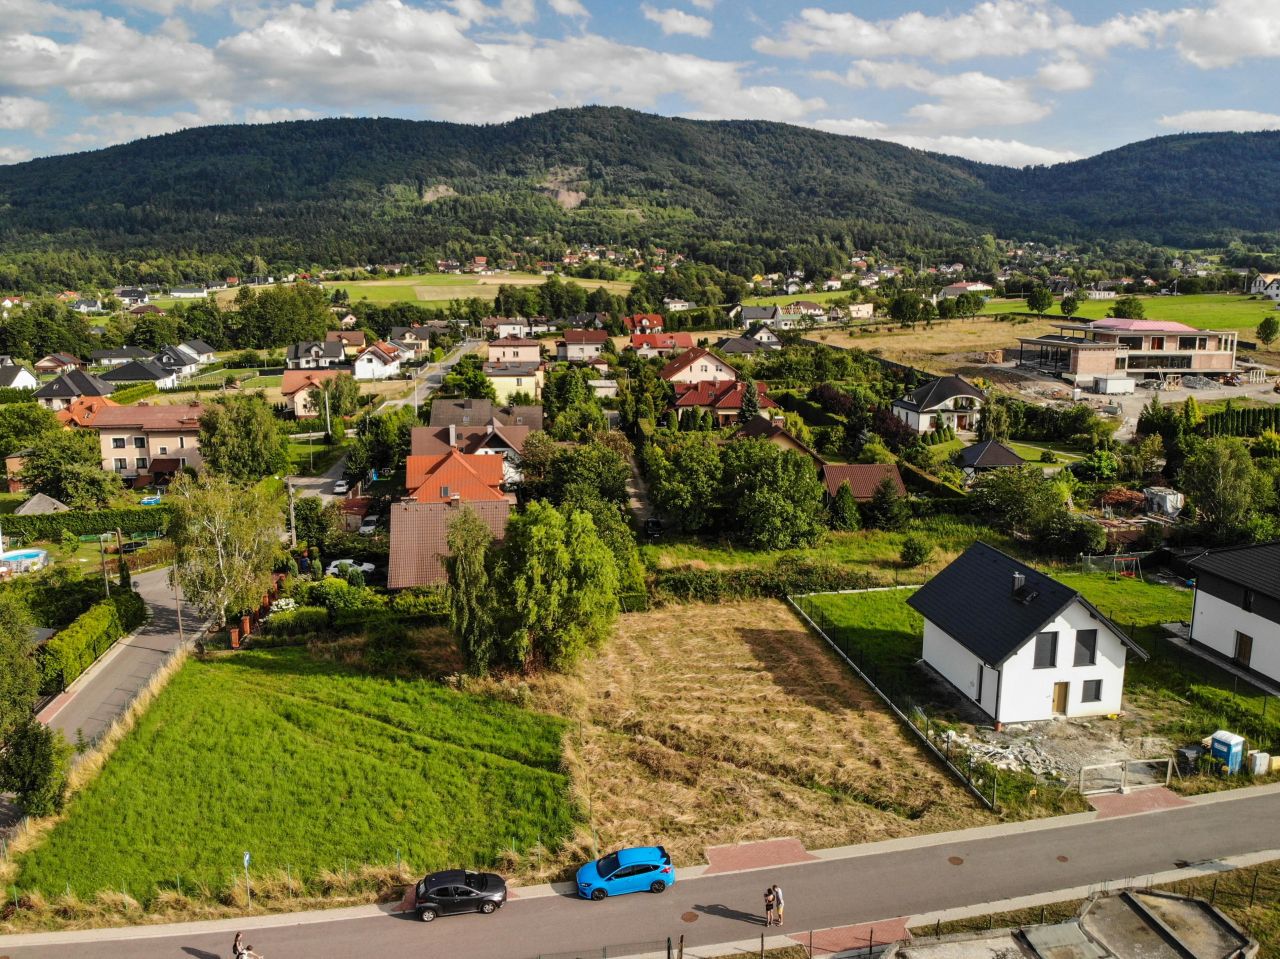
<point x="104" y="694"/>
<point x="725" y="908"/>
<point x="429" y="377"/>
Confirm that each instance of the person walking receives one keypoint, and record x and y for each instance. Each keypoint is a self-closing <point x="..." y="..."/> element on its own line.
<point x="770" y="906"/>
<point x="777" y="901"/>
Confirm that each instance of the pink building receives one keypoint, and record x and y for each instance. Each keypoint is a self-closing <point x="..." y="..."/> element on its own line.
<point x="1141" y="349"/>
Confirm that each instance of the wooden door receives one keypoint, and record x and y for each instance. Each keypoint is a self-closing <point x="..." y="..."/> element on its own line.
<point x="1060" y="698"/>
<point x="1244" y="649"/>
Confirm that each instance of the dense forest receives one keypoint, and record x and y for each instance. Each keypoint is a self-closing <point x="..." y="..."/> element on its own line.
<point x="743" y="195"/>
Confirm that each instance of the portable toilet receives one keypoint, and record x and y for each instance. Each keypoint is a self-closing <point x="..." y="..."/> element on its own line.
<point x="1228" y="748"/>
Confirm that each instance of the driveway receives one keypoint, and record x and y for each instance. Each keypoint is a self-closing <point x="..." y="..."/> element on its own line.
<point x="429" y="377"/>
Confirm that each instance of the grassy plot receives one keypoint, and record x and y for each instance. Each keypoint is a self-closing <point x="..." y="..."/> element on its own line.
<point x="442" y="287"/>
<point x="1214" y="311"/>
<point x="312" y="457"/>
<point x="311" y="767"/>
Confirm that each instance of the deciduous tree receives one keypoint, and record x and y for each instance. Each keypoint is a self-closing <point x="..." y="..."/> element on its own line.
<point x="18" y="679"/>
<point x="469" y="591"/>
<point x="34" y="767"/>
<point x="240" y="438"/>
<point x="1220" y="479"/>
<point x="1268" y="330"/>
<point x="67" y="465"/>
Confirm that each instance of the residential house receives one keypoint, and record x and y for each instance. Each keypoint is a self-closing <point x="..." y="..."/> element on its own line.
<point x="378" y="361"/>
<point x="771" y="428"/>
<point x="945" y="402"/>
<point x="863" y="479"/>
<point x="13" y="464"/>
<point x="353" y="341"/>
<point x="1022" y="646"/>
<point x="660" y="344"/>
<point x="803" y="308"/>
<point x="188" y="293"/>
<point x="118" y="357"/>
<point x="416" y="337"/>
<point x="587" y="321"/>
<point x="492" y="439"/>
<point x="745" y="346"/>
<point x="131" y="296"/>
<point x="723" y="399"/>
<point x="604" y="389"/>
<point x="762" y="334"/>
<point x="510" y="379"/>
<point x="468" y="412"/>
<point x="676" y="306"/>
<point x="14" y="377"/>
<point x="179" y="361"/>
<point x="698" y="366"/>
<point x="955" y="289"/>
<point x="770" y="316"/>
<point x="149" y="443"/>
<point x="986" y="456"/>
<point x="1266" y="284"/>
<point x="314" y="355"/>
<point x="81" y="412"/>
<point x="149" y="309"/>
<point x="1236" y="612"/>
<point x="141" y="371"/>
<point x="296" y="387"/>
<point x="87" y="306"/>
<point x="580" y="346"/>
<point x="58" y="363"/>
<point x="1140" y="349"/>
<point x="501" y="326"/>
<point x="439" y="488"/>
<point x="202" y="351"/>
<point x="514" y="349"/>
<point x="69" y="387"/>
<point x="643" y="323"/>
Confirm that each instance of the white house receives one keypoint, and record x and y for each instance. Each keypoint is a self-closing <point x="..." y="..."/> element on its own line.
<point x="378" y="361"/>
<point x="1237" y="605"/>
<point x="948" y="401"/>
<point x="581" y="346"/>
<point x="188" y="293"/>
<point x="955" y="289"/>
<point x="14" y="377"/>
<point x="314" y="355"/>
<point x="1266" y="284"/>
<point x="698" y="366"/>
<point x="1019" y="644"/>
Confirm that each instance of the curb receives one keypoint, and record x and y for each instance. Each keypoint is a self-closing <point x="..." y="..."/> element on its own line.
<point x="60" y="701"/>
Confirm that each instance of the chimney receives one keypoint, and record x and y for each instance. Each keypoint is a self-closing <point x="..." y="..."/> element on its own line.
<point x="453" y="436"/>
<point x="1019" y="581"/>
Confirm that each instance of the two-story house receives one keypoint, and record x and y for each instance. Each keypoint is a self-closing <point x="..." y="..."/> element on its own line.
<point x="1237" y="605"/>
<point x="353" y="341"/>
<point x="698" y="366"/>
<point x="580" y="346"/>
<point x="141" y="371"/>
<point x="660" y="344"/>
<point x="945" y="402"/>
<point x="66" y="389"/>
<point x="314" y="355"/>
<point x="148" y="441"/>
<point x="1266" y="284"/>
<point x="514" y="349"/>
<point x="377" y="361"/>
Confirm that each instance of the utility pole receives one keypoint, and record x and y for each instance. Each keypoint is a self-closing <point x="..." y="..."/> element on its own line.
<point x="328" y="423"/>
<point x="102" y="554"/>
<point x="293" y="523"/>
<point x="177" y="598"/>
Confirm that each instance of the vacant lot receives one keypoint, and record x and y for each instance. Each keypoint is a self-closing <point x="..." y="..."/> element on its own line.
<point x="708" y="724"/>
<point x="311" y="767"/>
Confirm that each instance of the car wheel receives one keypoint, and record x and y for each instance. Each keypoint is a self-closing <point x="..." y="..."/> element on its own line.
<point x="426" y="915"/>
<point x="488" y="907"/>
<point x="657" y="886"/>
<point x="598" y="894"/>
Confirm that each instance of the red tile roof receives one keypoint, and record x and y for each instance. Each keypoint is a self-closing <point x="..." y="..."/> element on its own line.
<point x="420" y="538"/>
<point x="723" y="395"/>
<point x="437" y="479"/>
<point x="297" y="380"/>
<point x="687" y="359"/>
<point x="662" y="341"/>
<point x="585" y="336"/>
<point x="144" y="417"/>
<point x="83" y="410"/>
<point x="641" y="322"/>
<point x="434" y="440"/>
<point x="863" y="478"/>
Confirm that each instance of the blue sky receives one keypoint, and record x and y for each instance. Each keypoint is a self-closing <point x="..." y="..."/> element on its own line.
<point x="1004" y="81"/>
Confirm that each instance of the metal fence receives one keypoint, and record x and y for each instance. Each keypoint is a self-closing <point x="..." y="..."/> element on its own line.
<point x="1124" y="775"/>
<point x="816" y="943"/>
<point x="654" y="949"/>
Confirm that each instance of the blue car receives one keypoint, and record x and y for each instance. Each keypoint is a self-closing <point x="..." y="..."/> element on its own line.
<point x="640" y="869"/>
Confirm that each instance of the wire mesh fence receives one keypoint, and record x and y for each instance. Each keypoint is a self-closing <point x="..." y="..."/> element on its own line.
<point x="653" y="949"/>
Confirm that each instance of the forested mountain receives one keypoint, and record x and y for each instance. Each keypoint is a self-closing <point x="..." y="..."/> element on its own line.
<point x="346" y="191"/>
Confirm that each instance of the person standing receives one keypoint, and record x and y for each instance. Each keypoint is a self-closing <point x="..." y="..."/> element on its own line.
<point x="770" y="906"/>
<point x="777" y="901"/>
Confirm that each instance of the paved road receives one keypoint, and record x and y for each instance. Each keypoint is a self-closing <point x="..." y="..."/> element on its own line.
<point x="950" y="872"/>
<point x="126" y="668"/>
<point x="429" y="377"/>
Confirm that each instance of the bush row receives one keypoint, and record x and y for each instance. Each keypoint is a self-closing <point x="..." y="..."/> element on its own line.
<point x="141" y="519"/>
<point x="162" y="555"/>
<point x="917" y="480"/>
<point x="1241" y="422"/>
<point x="690" y="584"/>
<point x="71" y="651"/>
<point x="131" y="394"/>
<point x="297" y="622"/>
<point x="10" y="395"/>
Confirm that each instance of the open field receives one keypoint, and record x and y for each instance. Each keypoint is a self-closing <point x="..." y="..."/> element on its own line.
<point x="1213" y="311"/>
<point x="814" y="297"/>
<point x="312" y="767"/>
<point x="442" y="287"/>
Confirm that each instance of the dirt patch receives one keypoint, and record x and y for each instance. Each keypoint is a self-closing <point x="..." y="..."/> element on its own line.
<point x="560" y="186"/>
<point x="1062" y="746"/>
<point x="438" y="192"/>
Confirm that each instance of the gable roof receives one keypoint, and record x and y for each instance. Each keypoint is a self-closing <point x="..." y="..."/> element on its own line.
<point x="988" y="455"/>
<point x="642" y="321"/>
<point x="296" y="380"/>
<point x="662" y="341"/>
<point x="744" y="344"/>
<point x="123" y="353"/>
<point x="469" y="412"/>
<point x="74" y="384"/>
<point x="763" y="428"/>
<point x="61" y="359"/>
<point x="420" y="537"/>
<point x="438" y="440"/>
<point x="973" y="601"/>
<point x="437" y="479"/>
<point x="137" y="371"/>
<point x="586" y="337"/>
<point x="936" y="392"/>
<point x="84" y="411"/>
<point x="863" y="478"/>
<point x="752" y="313"/>
<point x="176" y="357"/>
<point x="382" y="351"/>
<point x="41" y="505"/>
<point x="687" y="359"/>
<point x="723" y="395"/>
<point x="349" y="337"/>
<point x="10" y="373"/>
<point x="1255" y="567"/>
<point x="198" y="347"/>
<point x="305" y="350"/>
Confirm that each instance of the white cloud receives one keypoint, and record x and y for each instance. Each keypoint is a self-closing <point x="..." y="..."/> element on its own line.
<point x="673" y="21"/>
<point x="24" y="113"/>
<point x="278" y="114"/>
<point x="15" y="154"/>
<point x="756" y="103"/>
<point x="852" y="127"/>
<point x="984" y="150"/>
<point x="569" y="8"/>
<point x="1227" y="32"/>
<point x="1064" y="74"/>
<point x="1213" y="121"/>
<point x="704" y="4"/>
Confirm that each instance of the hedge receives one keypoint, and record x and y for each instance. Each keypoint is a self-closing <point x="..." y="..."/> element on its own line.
<point x="131" y="394"/>
<point x="918" y="481"/>
<point x="1241" y="422"/>
<point x="70" y="652"/>
<point x="162" y="555"/>
<point x="297" y="622"/>
<point x="132" y="520"/>
<point x="10" y="395"/>
<point x="691" y="584"/>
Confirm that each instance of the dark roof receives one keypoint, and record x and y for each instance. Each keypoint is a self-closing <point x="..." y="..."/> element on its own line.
<point x="938" y="391"/>
<point x="973" y="600"/>
<point x="331" y="350"/>
<point x="763" y="428"/>
<point x="751" y="313"/>
<point x="174" y="358"/>
<point x="1254" y="567"/>
<point x="10" y="373"/>
<point x="123" y="353"/>
<point x="73" y="384"/>
<point x="732" y="345"/>
<point x="863" y="478"/>
<point x="469" y="412"/>
<point x="199" y="346"/>
<point x="137" y="371"/>
<point x="988" y="455"/>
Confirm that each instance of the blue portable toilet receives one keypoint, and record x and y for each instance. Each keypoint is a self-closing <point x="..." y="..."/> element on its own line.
<point x="1227" y="748"/>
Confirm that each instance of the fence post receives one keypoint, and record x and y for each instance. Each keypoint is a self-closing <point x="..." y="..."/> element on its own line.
<point x="669" y="947"/>
<point x="995" y="786"/>
<point x="762" y="945"/>
<point x="871" y="940"/>
<point x="1253" y="890"/>
<point x="1213" y="893"/>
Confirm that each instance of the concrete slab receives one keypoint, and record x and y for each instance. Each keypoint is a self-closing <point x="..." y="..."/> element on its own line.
<point x="756" y="855"/>
<point x="862" y="936"/>
<point x="1153" y="799"/>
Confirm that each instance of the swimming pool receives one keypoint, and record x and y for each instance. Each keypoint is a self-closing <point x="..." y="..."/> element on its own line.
<point x="25" y="557"/>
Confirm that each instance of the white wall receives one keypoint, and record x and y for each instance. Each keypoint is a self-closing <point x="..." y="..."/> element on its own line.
<point x="960" y="667"/>
<point x="1215" y="624"/>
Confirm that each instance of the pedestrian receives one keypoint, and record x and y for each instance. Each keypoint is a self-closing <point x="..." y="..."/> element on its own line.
<point x="778" y="902"/>
<point x="770" y="906"/>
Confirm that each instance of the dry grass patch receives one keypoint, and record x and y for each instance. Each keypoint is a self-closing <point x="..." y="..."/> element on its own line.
<point x="704" y="725"/>
<point x="931" y="347"/>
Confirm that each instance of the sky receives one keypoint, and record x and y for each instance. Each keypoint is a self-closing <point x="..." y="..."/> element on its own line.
<point x="1014" y="82"/>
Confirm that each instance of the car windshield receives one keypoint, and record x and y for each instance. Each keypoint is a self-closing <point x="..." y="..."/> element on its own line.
<point x="476" y="880"/>
<point x="608" y="865"/>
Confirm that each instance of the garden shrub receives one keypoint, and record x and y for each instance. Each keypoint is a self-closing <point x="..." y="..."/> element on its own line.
<point x="915" y="551"/>
<point x="297" y="622"/>
<point x="131" y="394"/>
<point x="129" y="521"/>
<point x="10" y="395"/>
<point x="71" y="651"/>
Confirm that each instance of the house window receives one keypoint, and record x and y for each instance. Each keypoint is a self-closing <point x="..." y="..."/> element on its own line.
<point x="1092" y="691"/>
<point x="1122" y="362"/>
<point x="121" y="465"/>
<point x="164" y="451"/>
<point x="1157" y="342"/>
<point x="1046" y="650"/>
<point x="1086" y="647"/>
<point x="117" y="443"/>
<point x="139" y="442"/>
<point x="182" y="442"/>
<point x="1247" y="605"/>
<point x="1133" y="342"/>
<point x="141" y="462"/>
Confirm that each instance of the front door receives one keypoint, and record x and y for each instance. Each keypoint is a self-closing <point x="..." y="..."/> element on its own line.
<point x="1060" y="698"/>
<point x="1244" y="649"/>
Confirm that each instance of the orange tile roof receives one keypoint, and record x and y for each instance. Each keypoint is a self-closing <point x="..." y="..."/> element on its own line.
<point x="296" y="380"/>
<point x="144" y="417"/>
<point x="83" y="411"/>
<point x="471" y="477"/>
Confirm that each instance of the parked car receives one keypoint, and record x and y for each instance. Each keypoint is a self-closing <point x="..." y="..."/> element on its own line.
<point x="455" y="890"/>
<point x="336" y="567"/>
<point x="638" y="869"/>
<point x="341" y="488"/>
<point x="369" y="524"/>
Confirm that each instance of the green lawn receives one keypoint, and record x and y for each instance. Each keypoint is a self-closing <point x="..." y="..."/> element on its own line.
<point x="1214" y="311"/>
<point x="220" y="376"/>
<point x="312" y="457"/>
<point x="11" y="501"/>
<point x="1031" y="451"/>
<point x="442" y="287"/>
<point x="309" y="766"/>
<point x="824" y="296"/>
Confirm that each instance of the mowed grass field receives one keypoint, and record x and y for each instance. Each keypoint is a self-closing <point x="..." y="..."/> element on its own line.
<point x="311" y="767"/>
<point x="442" y="287"/>
<point x="1210" y="311"/>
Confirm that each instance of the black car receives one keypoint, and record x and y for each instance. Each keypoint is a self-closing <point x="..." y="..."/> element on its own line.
<point x="455" y="890"/>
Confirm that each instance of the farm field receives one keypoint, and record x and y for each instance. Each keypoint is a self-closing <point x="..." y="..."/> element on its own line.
<point x="1214" y="311"/>
<point x="312" y="767"/>
<point x="442" y="287"/>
